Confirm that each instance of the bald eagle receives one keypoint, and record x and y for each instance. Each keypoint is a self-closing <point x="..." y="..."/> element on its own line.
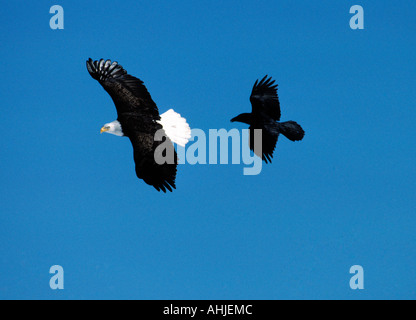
<point x="265" y="116"/>
<point x="139" y="120"/>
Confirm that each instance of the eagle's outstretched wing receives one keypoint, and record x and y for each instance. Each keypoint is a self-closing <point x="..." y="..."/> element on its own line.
<point x="128" y="93"/>
<point x="264" y="99"/>
<point x="160" y="176"/>
<point x="150" y="143"/>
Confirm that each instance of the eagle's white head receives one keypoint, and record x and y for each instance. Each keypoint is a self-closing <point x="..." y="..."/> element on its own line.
<point x="113" y="128"/>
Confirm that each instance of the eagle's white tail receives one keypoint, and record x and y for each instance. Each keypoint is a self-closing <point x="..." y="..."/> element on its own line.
<point x="175" y="127"/>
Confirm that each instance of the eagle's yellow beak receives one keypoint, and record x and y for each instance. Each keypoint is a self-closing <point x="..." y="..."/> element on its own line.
<point x="104" y="129"/>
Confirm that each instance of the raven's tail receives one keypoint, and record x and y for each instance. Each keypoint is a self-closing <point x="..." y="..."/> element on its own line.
<point x="291" y="130"/>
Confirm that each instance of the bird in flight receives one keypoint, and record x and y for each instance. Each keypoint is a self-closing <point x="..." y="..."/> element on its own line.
<point x="139" y="120"/>
<point x="265" y="115"/>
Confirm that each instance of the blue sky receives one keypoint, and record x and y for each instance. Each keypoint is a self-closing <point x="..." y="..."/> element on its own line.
<point x="343" y="196"/>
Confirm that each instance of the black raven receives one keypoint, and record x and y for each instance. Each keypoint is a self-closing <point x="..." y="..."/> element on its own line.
<point x="265" y="116"/>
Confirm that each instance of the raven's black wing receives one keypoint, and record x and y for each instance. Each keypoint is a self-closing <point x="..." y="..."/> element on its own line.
<point x="264" y="99"/>
<point x="268" y="139"/>
<point x="128" y="93"/>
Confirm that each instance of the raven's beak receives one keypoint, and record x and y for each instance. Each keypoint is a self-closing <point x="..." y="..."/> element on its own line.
<point x="233" y="119"/>
<point x="103" y="129"/>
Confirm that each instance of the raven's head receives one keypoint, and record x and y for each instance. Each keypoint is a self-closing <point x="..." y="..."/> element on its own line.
<point x="244" y="118"/>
